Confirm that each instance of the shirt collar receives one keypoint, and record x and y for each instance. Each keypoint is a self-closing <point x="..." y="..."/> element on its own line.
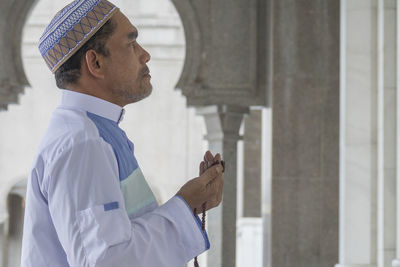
<point x="95" y="105"/>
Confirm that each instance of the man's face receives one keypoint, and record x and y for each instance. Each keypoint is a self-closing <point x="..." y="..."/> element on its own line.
<point x="126" y="73"/>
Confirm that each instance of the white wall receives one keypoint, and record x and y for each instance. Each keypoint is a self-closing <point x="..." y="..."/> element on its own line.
<point x="368" y="133"/>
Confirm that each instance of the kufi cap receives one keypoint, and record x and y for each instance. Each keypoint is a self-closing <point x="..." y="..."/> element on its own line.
<point x="71" y="28"/>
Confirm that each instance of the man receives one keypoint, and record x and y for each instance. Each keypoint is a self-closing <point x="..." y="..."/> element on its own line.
<point x="88" y="203"/>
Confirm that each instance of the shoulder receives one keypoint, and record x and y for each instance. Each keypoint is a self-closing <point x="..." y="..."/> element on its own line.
<point x="71" y="140"/>
<point x="68" y="129"/>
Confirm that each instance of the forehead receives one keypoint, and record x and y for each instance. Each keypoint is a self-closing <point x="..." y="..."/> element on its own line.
<point x="123" y="25"/>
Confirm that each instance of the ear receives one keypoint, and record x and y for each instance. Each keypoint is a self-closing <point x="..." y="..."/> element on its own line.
<point x="95" y="63"/>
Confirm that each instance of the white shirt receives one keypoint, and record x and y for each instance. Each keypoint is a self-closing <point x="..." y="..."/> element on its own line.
<point x="88" y="203"/>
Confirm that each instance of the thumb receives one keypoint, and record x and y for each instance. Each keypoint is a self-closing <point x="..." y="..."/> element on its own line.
<point x="211" y="174"/>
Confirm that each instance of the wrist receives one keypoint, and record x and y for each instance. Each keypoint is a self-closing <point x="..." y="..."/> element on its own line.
<point x="185" y="199"/>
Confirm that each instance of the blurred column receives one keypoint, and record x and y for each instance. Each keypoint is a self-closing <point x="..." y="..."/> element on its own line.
<point x="249" y="243"/>
<point x="15" y="229"/>
<point x="252" y="164"/>
<point x="396" y="261"/>
<point x="386" y="132"/>
<point x="305" y="133"/>
<point x="358" y="134"/>
<point x="223" y="124"/>
<point x="266" y="184"/>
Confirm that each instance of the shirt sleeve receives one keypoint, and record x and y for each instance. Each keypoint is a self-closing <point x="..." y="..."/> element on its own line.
<point x="88" y="212"/>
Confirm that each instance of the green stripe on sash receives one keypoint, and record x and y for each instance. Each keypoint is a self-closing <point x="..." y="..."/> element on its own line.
<point x="136" y="191"/>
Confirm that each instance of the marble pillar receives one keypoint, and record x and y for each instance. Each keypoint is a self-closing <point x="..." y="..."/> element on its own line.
<point x="252" y="164"/>
<point x="249" y="242"/>
<point x="396" y="261"/>
<point x="305" y="137"/>
<point x="266" y="184"/>
<point x="358" y="134"/>
<point x="223" y="124"/>
<point x="386" y="55"/>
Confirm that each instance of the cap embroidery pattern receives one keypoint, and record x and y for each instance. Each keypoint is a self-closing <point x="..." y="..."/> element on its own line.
<point x="71" y="28"/>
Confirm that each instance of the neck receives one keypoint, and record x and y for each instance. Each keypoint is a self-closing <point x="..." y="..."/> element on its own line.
<point x="96" y="91"/>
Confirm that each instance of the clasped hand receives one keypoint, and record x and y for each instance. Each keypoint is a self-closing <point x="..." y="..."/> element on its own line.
<point x="207" y="188"/>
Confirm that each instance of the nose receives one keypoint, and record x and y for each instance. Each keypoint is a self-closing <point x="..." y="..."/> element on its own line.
<point x="146" y="56"/>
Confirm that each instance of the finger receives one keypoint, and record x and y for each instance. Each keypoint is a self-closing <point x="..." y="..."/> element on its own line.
<point x="201" y="168"/>
<point x="217" y="184"/>
<point x="217" y="157"/>
<point x="205" y="155"/>
<point x="214" y="189"/>
<point x="208" y="164"/>
<point x="216" y="197"/>
<point x="211" y="173"/>
<point x="205" y="161"/>
<point x="209" y="156"/>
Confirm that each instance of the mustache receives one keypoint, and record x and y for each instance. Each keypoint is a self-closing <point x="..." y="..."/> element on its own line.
<point x="145" y="70"/>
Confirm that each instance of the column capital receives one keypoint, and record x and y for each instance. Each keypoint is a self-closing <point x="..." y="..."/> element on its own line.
<point x="222" y="121"/>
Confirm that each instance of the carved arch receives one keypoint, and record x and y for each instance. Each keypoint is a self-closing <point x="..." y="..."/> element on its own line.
<point x="193" y="39"/>
<point x="13" y="14"/>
